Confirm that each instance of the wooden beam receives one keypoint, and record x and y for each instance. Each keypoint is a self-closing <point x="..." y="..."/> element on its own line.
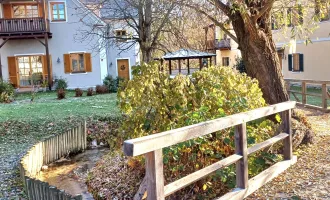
<point x="259" y="180"/>
<point x="303" y="92"/>
<point x="139" y="146"/>
<point x="200" y="64"/>
<point x="308" y="81"/>
<point x="155" y="175"/>
<point x="40" y="41"/>
<point x="241" y="149"/>
<point x="48" y="62"/>
<point x="191" y="178"/>
<point x="179" y="66"/>
<point x="266" y="143"/>
<point x="4" y="42"/>
<point x="188" y="66"/>
<point x="287" y="142"/>
<point x="324" y="96"/>
<point x="313" y="107"/>
<point x="170" y="66"/>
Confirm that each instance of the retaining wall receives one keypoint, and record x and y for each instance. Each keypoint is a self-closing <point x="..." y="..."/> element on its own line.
<point x="46" y="152"/>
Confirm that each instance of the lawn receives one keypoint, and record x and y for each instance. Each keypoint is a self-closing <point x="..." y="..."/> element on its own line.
<point x="46" y="106"/>
<point x="23" y="123"/>
<point x="317" y="101"/>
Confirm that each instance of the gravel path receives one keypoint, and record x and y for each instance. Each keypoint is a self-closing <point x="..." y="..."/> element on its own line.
<point x="309" y="178"/>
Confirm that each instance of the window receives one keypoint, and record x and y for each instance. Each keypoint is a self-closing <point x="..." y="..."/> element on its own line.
<point x="121" y="33"/>
<point x="77" y="62"/>
<point x="225" y="61"/>
<point x="25" y="11"/>
<point x="58" y="11"/>
<point x="322" y="10"/>
<point x="296" y="62"/>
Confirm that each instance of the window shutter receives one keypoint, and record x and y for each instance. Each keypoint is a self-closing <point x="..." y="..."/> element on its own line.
<point x="40" y="7"/>
<point x="12" y="67"/>
<point x="67" y="63"/>
<point x="88" y="62"/>
<point x="45" y="68"/>
<point x="290" y="62"/>
<point x="301" y="62"/>
<point x="7" y="11"/>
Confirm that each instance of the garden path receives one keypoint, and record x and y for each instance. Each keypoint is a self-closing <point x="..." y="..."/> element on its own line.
<point x="309" y="178"/>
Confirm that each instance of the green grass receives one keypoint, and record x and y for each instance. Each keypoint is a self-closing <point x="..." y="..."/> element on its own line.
<point x="317" y="101"/>
<point x="46" y="106"/>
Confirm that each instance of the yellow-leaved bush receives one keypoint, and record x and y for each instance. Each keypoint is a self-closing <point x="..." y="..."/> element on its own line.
<point x="153" y="102"/>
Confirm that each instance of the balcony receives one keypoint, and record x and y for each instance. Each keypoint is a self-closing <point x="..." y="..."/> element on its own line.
<point x="223" y="44"/>
<point x="21" y="28"/>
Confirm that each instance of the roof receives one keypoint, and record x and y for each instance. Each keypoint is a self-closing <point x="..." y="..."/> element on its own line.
<point x="187" y="53"/>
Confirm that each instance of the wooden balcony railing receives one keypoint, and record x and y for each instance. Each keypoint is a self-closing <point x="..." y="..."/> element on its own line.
<point x="151" y="146"/>
<point x="223" y="44"/>
<point x="23" y="25"/>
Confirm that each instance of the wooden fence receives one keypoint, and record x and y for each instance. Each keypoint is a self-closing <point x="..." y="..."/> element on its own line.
<point x="324" y="96"/>
<point x="151" y="146"/>
<point x="46" y="152"/>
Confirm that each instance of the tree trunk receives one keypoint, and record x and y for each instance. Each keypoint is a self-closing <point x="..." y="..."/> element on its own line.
<point x="261" y="60"/>
<point x="146" y="55"/>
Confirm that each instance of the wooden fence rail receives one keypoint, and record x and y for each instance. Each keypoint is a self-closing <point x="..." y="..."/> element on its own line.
<point x="324" y="96"/>
<point x="151" y="146"/>
<point x="46" y="152"/>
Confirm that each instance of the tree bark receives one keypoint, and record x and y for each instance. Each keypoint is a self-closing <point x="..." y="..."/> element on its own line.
<point x="261" y="61"/>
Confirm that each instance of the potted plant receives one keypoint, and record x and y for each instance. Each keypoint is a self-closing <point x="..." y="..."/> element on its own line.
<point x="44" y="85"/>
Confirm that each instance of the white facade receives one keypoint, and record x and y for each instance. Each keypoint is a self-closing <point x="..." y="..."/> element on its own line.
<point x="63" y="41"/>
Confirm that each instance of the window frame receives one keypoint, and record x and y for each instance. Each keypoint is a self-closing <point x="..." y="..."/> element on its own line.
<point x="25" y="10"/>
<point x="52" y="10"/>
<point x="223" y="61"/>
<point x="71" y="66"/>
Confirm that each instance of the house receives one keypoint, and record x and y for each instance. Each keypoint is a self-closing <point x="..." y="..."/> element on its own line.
<point x="39" y="39"/>
<point x="298" y="59"/>
<point x="219" y="43"/>
<point x="301" y="60"/>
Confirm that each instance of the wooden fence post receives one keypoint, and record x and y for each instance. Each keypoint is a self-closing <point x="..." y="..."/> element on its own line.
<point x="241" y="149"/>
<point x="287" y="142"/>
<point x="324" y="97"/>
<point x="303" y="91"/>
<point x="155" y="175"/>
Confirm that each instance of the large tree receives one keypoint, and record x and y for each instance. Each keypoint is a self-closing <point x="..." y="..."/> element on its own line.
<point x="252" y="22"/>
<point x="144" y="22"/>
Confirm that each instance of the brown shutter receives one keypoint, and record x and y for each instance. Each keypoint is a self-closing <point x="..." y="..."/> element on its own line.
<point x="45" y="68"/>
<point x="40" y="7"/>
<point x="88" y="62"/>
<point x="7" y="11"/>
<point x="67" y="64"/>
<point x="13" y="72"/>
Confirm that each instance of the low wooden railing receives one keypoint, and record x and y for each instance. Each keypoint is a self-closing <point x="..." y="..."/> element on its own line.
<point x="23" y="25"/>
<point x="324" y="95"/>
<point x="151" y="146"/>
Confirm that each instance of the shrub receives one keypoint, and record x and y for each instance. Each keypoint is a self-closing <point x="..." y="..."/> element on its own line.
<point x="239" y="65"/>
<point x="79" y="92"/>
<point x="90" y="91"/>
<point x="61" y="84"/>
<point x="60" y="93"/>
<point x="101" y="89"/>
<point x="153" y="102"/>
<point x="6" y="91"/>
<point x="112" y="83"/>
